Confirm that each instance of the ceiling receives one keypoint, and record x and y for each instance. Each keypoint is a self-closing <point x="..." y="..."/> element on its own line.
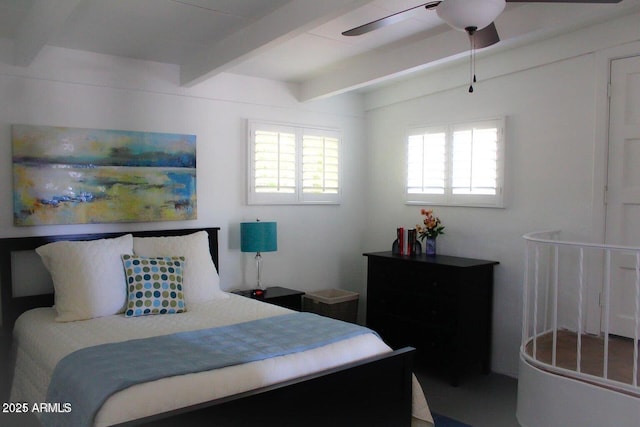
<point x="296" y="41"/>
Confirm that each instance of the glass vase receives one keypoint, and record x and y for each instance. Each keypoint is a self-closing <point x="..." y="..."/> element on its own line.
<point x="430" y="248"/>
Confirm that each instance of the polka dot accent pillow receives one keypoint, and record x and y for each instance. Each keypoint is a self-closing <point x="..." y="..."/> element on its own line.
<point x="154" y="285"/>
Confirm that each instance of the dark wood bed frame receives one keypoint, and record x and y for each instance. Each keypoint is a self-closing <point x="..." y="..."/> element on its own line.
<point x="373" y="392"/>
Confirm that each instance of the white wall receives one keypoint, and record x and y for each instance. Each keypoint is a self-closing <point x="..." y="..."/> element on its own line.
<point x="319" y="246"/>
<point x="551" y="94"/>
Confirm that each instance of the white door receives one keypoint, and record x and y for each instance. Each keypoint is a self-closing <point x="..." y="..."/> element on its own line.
<point x="623" y="190"/>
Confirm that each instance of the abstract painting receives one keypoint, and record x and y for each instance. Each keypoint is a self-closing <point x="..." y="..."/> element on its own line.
<point x="80" y="176"/>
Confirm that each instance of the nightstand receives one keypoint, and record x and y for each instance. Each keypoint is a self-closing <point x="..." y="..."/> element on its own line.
<point x="284" y="297"/>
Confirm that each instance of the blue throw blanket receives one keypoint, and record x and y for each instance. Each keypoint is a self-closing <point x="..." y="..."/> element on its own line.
<point x="87" y="377"/>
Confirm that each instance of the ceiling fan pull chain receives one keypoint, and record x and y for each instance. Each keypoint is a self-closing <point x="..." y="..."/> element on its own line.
<point x="473" y="44"/>
<point x="472" y="57"/>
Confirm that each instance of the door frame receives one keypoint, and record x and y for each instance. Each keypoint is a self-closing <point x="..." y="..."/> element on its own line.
<point x="603" y="61"/>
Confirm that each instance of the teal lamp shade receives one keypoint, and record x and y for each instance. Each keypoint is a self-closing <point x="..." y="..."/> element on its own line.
<point x="258" y="236"/>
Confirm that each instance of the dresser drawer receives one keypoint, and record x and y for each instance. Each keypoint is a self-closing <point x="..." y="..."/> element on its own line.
<point x="417" y="307"/>
<point x="400" y="332"/>
<point x="388" y="277"/>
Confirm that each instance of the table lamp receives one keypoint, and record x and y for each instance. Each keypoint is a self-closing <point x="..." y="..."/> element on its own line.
<point x="258" y="237"/>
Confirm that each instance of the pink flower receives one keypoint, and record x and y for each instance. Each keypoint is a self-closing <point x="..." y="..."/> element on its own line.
<point x="432" y="225"/>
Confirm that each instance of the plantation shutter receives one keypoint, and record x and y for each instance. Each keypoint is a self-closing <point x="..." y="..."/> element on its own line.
<point x="290" y="164"/>
<point x="320" y="167"/>
<point x="458" y="165"/>
<point x="427" y="163"/>
<point x="475" y="166"/>
<point x="275" y="162"/>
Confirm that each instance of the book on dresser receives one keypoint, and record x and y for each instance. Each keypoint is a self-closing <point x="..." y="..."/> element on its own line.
<point x="441" y="305"/>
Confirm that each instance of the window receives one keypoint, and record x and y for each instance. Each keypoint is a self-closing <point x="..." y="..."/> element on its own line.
<point x="291" y="164"/>
<point x="460" y="164"/>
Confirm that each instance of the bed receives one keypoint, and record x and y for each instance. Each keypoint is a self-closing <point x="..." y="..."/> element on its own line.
<point x="351" y="381"/>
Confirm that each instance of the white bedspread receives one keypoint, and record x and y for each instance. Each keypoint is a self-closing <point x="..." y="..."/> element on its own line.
<point x="42" y="342"/>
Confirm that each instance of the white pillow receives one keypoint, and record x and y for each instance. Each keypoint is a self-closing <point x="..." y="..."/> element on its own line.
<point x="201" y="280"/>
<point x="88" y="276"/>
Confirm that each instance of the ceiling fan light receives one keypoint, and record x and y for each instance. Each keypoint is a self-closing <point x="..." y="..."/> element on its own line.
<point x="461" y="14"/>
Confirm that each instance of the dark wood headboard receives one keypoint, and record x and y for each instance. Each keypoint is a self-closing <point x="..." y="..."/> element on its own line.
<point x="12" y="307"/>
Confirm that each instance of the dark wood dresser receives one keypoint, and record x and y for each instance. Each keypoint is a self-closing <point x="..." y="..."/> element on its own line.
<point x="441" y="305"/>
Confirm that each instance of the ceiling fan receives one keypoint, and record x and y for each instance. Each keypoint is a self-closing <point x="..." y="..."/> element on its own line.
<point x="475" y="17"/>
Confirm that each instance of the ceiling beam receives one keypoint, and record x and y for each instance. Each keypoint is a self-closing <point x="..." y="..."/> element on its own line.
<point x="42" y="22"/>
<point x="384" y="64"/>
<point x="516" y="25"/>
<point x="277" y="27"/>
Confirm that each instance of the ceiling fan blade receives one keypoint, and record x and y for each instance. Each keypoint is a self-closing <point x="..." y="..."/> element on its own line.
<point x="387" y="20"/>
<point x="486" y="36"/>
<point x="563" y="1"/>
<point x="398" y="16"/>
